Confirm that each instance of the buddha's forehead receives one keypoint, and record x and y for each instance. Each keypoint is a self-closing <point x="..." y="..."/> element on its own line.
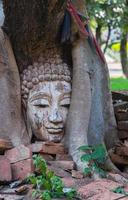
<point x="51" y="88"/>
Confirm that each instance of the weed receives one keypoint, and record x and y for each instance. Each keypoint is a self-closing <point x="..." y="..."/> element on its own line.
<point x="47" y="185"/>
<point x="96" y="157"/>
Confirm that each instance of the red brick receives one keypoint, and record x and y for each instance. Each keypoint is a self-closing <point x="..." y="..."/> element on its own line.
<point x="18" y="153"/>
<point x="123" y="125"/>
<point x="121" y="151"/>
<point x="122" y="134"/>
<point x="99" y="190"/>
<point x="118" y="159"/>
<point x="122" y="116"/>
<point x="63" y="157"/>
<point x="5" y="169"/>
<point x="63" y="164"/>
<point x="77" y="174"/>
<point x="47" y="148"/>
<point x="69" y="182"/>
<point x="47" y="157"/>
<point x="21" y="169"/>
<point x="58" y="171"/>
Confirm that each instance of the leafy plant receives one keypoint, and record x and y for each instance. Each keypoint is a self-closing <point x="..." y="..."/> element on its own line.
<point x="47" y="185"/>
<point x="120" y="190"/>
<point x="96" y="157"/>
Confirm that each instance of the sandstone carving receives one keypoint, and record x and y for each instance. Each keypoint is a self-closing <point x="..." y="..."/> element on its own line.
<point x="46" y="92"/>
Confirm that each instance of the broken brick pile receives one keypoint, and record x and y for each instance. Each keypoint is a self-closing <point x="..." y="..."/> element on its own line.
<point x="120" y="154"/>
<point x="16" y="163"/>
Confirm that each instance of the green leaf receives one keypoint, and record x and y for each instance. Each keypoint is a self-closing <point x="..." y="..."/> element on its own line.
<point x="101" y="172"/>
<point x="85" y="148"/>
<point x="49" y="174"/>
<point x="40" y="164"/>
<point x="57" y="184"/>
<point x="86" y="158"/>
<point x="46" y="195"/>
<point x="32" y="179"/>
<point x="71" y="193"/>
<point x="120" y="190"/>
<point x="87" y="171"/>
<point x="99" y="153"/>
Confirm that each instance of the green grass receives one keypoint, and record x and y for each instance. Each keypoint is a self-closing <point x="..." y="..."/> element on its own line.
<point x="119" y="83"/>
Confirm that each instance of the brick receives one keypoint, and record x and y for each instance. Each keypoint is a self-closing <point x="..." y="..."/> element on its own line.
<point x="122" y="134"/>
<point x="66" y="165"/>
<point x="5" y="170"/>
<point x="47" y="148"/>
<point x="122" y="116"/>
<point x="123" y="125"/>
<point x="99" y="190"/>
<point x="118" y="178"/>
<point x="69" y="182"/>
<point x="21" y="169"/>
<point x="58" y="171"/>
<point x="77" y="174"/>
<point x="120" y="105"/>
<point x="47" y="157"/>
<point x="118" y="159"/>
<point x="121" y="151"/>
<point x="18" y="153"/>
<point x="63" y="157"/>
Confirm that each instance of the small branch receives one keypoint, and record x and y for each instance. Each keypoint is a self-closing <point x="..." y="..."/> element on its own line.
<point x="108" y="37"/>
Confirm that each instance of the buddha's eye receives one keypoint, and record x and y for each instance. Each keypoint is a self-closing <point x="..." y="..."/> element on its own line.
<point x="42" y="103"/>
<point x="65" y="102"/>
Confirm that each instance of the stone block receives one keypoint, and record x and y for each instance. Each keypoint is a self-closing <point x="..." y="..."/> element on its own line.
<point x="47" y="148"/>
<point x="66" y="165"/>
<point x="123" y="125"/>
<point x="18" y="153"/>
<point x="21" y="169"/>
<point x="5" y="170"/>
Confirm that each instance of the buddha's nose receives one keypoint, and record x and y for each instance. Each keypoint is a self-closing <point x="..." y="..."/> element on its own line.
<point x="55" y="116"/>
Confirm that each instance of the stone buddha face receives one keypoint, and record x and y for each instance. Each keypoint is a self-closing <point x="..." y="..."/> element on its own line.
<point x="46" y="90"/>
<point x="47" y="108"/>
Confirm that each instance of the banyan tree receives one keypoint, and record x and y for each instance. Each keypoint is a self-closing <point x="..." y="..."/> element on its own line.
<point x="54" y="81"/>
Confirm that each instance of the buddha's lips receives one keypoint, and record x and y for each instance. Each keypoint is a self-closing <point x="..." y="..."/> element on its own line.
<point x="54" y="130"/>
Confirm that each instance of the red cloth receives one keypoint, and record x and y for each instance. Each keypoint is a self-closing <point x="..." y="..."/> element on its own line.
<point x="72" y="10"/>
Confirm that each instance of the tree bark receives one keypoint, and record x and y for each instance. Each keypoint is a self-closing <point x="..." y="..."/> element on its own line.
<point x="123" y="54"/>
<point x="32" y="26"/>
<point x="12" y="126"/>
<point x="98" y="34"/>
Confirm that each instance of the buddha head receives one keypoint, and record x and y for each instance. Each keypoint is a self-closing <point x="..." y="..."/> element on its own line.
<point x="46" y="91"/>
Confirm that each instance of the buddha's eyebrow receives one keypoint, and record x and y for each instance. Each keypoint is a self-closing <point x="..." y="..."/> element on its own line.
<point x="65" y="95"/>
<point x="40" y="96"/>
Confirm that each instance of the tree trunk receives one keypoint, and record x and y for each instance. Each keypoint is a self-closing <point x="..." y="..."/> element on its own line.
<point x="32" y="27"/>
<point x="98" y="33"/>
<point x="123" y="54"/>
